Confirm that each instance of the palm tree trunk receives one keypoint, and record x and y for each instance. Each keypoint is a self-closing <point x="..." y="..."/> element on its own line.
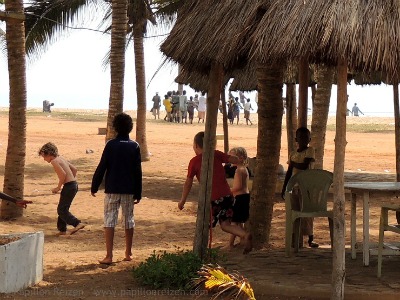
<point x="270" y="82"/>
<point x="303" y="92"/>
<point x="16" y="147"/>
<point x="203" y="211"/>
<point x="117" y="62"/>
<point x="320" y="114"/>
<point x="140" y="91"/>
<point x="338" y="255"/>
<point x="291" y="116"/>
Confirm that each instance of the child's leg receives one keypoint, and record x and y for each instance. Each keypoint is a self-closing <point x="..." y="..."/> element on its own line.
<point x="67" y="195"/>
<point x="109" y="237"/>
<point x="128" y="224"/>
<point x="128" y="244"/>
<point x="232" y="237"/>
<point x="111" y="207"/>
<point x="238" y="231"/>
<point x="61" y="226"/>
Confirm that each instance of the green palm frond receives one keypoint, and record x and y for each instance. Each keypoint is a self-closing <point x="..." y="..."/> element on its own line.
<point x="217" y="280"/>
<point x="48" y="20"/>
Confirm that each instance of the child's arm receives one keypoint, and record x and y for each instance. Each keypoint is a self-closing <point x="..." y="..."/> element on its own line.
<point x="60" y="173"/>
<point x="186" y="190"/>
<point x="20" y="203"/>
<point x="289" y="173"/>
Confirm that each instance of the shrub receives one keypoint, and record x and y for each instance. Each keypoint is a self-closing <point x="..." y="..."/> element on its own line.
<point x="170" y="270"/>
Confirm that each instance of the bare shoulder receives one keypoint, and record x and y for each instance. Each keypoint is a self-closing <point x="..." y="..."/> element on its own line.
<point x="241" y="170"/>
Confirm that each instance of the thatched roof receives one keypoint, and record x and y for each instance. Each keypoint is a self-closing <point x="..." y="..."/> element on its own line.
<point x="366" y="32"/>
<point x="246" y="79"/>
<point x="207" y="31"/>
<point x="196" y="80"/>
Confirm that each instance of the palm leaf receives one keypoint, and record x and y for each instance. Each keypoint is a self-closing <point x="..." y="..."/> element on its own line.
<point x="217" y="280"/>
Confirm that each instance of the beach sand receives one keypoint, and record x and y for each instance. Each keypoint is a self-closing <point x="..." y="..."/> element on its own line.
<point x="71" y="262"/>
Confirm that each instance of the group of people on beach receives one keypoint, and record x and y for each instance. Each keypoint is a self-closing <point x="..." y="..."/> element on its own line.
<point x="180" y="108"/>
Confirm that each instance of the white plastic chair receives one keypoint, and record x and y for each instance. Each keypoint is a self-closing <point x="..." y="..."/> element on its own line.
<point x="314" y="187"/>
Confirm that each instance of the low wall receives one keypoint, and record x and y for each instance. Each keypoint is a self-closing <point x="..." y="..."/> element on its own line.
<point x="21" y="261"/>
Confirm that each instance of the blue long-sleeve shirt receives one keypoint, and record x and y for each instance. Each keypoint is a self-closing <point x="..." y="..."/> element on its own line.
<point x="122" y="167"/>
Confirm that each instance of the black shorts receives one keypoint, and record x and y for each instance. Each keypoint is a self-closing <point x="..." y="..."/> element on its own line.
<point x="241" y="208"/>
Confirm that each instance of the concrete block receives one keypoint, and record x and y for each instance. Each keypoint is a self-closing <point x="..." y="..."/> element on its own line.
<point x="21" y="261"/>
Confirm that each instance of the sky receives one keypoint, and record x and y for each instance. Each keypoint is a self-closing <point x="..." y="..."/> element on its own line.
<point x="71" y="75"/>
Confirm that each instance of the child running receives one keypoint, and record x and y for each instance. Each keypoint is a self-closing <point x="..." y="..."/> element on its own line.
<point x="66" y="173"/>
<point x="221" y="195"/>
<point x="240" y="191"/>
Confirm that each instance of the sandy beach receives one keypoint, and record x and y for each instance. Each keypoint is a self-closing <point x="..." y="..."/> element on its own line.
<point x="71" y="262"/>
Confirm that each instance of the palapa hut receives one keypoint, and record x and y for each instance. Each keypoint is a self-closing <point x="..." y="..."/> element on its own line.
<point x="360" y="35"/>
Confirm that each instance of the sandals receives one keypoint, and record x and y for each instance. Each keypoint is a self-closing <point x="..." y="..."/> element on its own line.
<point x="313" y="244"/>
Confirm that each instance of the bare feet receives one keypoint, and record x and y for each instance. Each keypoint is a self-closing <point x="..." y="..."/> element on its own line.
<point x="77" y="228"/>
<point x="61" y="233"/>
<point x="106" y="261"/>
<point x="249" y="243"/>
<point x="128" y="257"/>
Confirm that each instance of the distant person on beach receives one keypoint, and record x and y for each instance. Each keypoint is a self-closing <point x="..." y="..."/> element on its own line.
<point x="122" y="167"/>
<point x="191" y="105"/>
<point x="236" y="110"/>
<point x="240" y="191"/>
<point x="68" y="185"/>
<point x="202" y="107"/>
<point x="247" y="107"/>
<point x="242" y="98"/>
<point x="183" y="107"/>
<point x="156" y="106"/>
<point x="221" y="195"/>
<point x="168" y="107"/>
<point x="355" y="110"/>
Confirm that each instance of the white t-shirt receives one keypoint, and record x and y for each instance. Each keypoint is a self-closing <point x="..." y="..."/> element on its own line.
<point x="247" y="106"/>
<point x="202" y="104"/>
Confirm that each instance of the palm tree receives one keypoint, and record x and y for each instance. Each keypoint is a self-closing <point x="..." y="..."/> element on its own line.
<point x="117" y="62"/>
<point x="320" y="113"/>
<point x="16" y="147"/>
<point x="139" y="12"/>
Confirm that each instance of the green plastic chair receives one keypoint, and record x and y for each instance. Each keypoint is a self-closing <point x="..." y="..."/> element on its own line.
<point x="314" y="187"/>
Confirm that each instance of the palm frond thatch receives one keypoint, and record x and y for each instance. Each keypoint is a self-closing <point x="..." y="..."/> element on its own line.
<point x="364" y="32"/>
<point x="223" y="284"/>
<point x="196" y="80"/>
<point x="207" y="31"/>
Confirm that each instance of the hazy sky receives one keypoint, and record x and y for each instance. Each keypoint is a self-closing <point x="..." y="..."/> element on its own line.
<point x="71" y="75"/>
